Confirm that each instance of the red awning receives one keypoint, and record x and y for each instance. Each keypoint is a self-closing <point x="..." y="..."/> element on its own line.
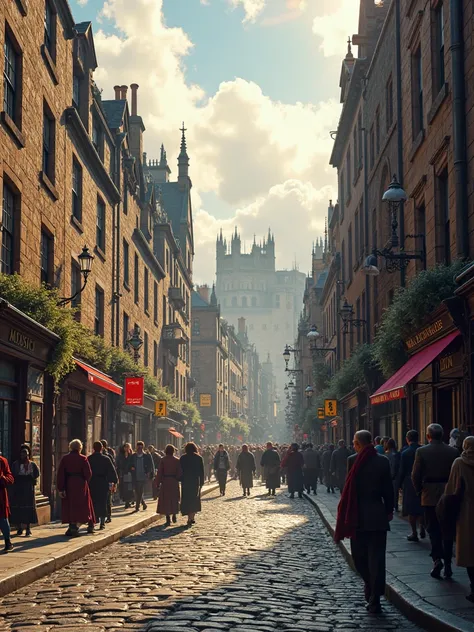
<point x="99" y="379"/>
<point x="175" y="433"/>
<point x="394" y="388"/>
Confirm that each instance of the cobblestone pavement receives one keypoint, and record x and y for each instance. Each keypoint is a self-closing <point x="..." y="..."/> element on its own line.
<point x="253" y="564"/>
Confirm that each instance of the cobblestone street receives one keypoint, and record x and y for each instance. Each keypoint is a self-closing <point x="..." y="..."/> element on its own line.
<point x="250" y="565"/>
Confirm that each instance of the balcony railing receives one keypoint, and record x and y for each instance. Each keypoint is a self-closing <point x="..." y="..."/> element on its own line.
<point x="173" y="335"/>
<point x="176" y="297"/>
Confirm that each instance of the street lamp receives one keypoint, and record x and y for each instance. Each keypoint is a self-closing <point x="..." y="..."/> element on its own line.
<point x="394" y="261"/>
<point x="136" y="342"/>
<point x="347" y="315"/>
<point x="85" y="263"/>
<point x="313" y="336"/>
<point x="308" y="391"/>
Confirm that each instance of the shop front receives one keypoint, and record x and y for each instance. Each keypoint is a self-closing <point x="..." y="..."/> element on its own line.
<point x="354" y="415"/>
<point x="27" y="396"/>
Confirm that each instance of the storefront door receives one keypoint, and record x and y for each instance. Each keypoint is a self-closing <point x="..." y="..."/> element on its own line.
<point x="448" y="409"/>
<point x="7" y="400"/>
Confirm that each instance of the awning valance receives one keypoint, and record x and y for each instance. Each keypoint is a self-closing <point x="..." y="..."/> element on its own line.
<point x="98" y="378"/>
<point x="175" y="433"/>
<point x="394" y="388"/>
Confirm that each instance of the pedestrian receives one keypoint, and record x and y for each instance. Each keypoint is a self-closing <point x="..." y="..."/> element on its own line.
<point x="312" y="467"/>
<point x="364" y="513"/>
<point x="378" y="445"/>
<point x="74" y="474"/>
<point x="411" y="505"/>
<point x="125" y="475"/>
<point x="167" y="480"/>
<point x="156" y="463"/>
<point x="104" y="476"/>
<point x="326" y="462"/>
<point x="294" y="463"/>
<point x="22" y="492"/>
<point x="110" y="452"/>
<point x="338" y="465"/>
<point x="192" y="481"/>
<point x="245" y="467"/>
<point x="142" y="469"/>
<point x="221" y="467"/>
<point x="393" y="456"/>
<point x="429" y="475"/>
<point x="271" y="469"/>
<point x="6" y="479"/>
<point x="455" y="440"/>
<point x="461" y="484"/>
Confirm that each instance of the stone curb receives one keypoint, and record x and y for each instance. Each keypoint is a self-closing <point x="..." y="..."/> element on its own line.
<point x="404" y="598"/>
<point x="49" y="565"/>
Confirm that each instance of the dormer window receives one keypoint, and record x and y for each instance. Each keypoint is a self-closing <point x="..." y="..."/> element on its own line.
<point x="50" y="29"/>
<point x="97" y="136"/>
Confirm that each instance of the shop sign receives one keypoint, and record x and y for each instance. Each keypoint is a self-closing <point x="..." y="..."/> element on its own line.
<point x="321" y="413"/>
<point x="396" y="393"/>
<point x="21" y="340"/>
<point x="205" y="400"/>
<point x="446" y="363"/>
<point x="161" y="408"/>
<point x="134" y="391"/>
<point x="426" y="334"/>
<point x="330" y="407"/>
<point x="74" y="395"/>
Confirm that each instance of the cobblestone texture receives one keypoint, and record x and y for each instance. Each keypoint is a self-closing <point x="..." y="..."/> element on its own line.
<point x="250" y="565"/>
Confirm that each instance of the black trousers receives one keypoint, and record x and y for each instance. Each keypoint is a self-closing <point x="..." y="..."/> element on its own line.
<point x="138" y="489"/>
<point x="222" y="480"/>
<point x="310" y="479"/>
<point x="368" y="550"/>
<point x="440" y="549"/>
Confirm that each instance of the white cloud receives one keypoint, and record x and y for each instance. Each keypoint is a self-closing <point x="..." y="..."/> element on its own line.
<point x="252" y="8"/>
<point x="82" y="3"/>
<point x="337" y="20"/>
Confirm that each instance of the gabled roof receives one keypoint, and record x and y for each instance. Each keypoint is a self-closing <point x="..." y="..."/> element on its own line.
<point x="197" y="300"/>
<point x="175" y="199"/>
<point x="81" y="28"/>
<point x="114" y="112"/>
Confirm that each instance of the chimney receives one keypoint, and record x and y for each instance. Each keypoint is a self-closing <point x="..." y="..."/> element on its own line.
<point x="124" y="90"/>
<point x="203" y="291"/>
<point x="242" y="323"/>
<point x="134" y="89"/>
<point x="117" y="92"/>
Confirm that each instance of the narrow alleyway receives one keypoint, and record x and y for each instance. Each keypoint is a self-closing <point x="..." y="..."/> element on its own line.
<point x="250" y="565"/>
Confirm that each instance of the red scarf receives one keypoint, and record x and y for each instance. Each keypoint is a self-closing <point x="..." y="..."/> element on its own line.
<point x="347" y="511"/>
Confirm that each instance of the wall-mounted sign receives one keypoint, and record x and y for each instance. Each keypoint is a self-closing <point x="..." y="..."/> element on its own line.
<point x="396" y="393"/>
<point x="428" y="334"/>
<point x="134" y="391"/>
<point x="161" y="408"/>
<point x="446" y="363"/>
<point x="21" y="340"/>
<point x="330" y="407"/>
<point x="205" y="400"/>
<point x="321" y="413"/>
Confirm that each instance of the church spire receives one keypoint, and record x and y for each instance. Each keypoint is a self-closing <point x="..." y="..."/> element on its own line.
<point x="213" y="296"/>
<point x="183" y="160"/>
<point x="349" y="49"/>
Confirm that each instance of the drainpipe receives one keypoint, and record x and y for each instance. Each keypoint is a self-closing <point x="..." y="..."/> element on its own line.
<point x="398" y="72"/>
<point x="365" y="168"/>
<point x="459" y="127"/>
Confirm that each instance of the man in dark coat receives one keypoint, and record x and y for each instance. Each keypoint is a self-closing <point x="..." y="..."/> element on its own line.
<point x="411" y="501"/>
<point x="271" y="468"/>
<point x="312" y="467"/>
<point x="326" y="461"/>
<point x="104" y="474"/>
<point x="430" y="474"/>
<point x="142" y="469"/>
<point x="339" y="464"/>
<point x="6" y="478"/>
<point x="364" y="514"/>
<point x="221" y="467"/>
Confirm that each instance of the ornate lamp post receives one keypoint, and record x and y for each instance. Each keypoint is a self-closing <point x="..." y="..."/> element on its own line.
<point x="136" y="342"/>
<point x="85" y="262"/>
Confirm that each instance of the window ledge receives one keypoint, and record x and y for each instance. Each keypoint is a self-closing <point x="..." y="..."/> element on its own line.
<point x="22" y="7"/>
<point x="437" y="103"/>
<point x="100" y="253"/>
<point x="49" y="61"/>
<point x="417" y="143"/>
<point x="11" y="126"/>
<point x="49" y="186"/>
<point x="77" y="224"/>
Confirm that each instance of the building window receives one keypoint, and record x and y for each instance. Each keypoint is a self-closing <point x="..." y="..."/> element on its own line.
<point x="342" y="202"/>
<point x="76" y="190"/>
<point x="372" y="148"/>
<point x="97" y="136"/>
<point x="196" y="331"/>
<point x="100" y="225"/>
<point x="126" y="264"/>
<point x="76" y="284"/>
<point x="48" y="143"/>
<point x="360" y="252"/>
<point x="444" y="229"/>
<point x="125" y="329"/>
<point x="420" y="228"/>
<point x="8" y="231"/>
<point x="99" y="311"/>
<point x="11" y="79"/>
<point x="377" y="131"/>
<point x="234" y="301"/>
<point x="146" y="298"/>
<point x="244" y="301"/>
<point x="348" y="173"/>
<point x="50" y="28"/>
<point x="155" y="301"/>
<point x="155" y="358"/>
<point x="145" y="349"/>
<point x="76" y="91"/>
<point x="438" y="48"/>
<point x="136" y="280"/>
<point x="349" y="253"/>
<point x="46" y="257"/>
<point x="389" y="103"/>
<point x="417" y="92"/>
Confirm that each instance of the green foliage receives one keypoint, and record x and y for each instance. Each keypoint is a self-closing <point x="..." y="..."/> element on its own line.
<point x="230" y="428"/>
<point x="321" y="376"/>
<point x="407" y="312"/>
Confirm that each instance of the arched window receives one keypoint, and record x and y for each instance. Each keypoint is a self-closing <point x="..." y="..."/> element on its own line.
<point x="244" y="301"/>
<point x="234" y="301"/>
<point x="254" y="301"/>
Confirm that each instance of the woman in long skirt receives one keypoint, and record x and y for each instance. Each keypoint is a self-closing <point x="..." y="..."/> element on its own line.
<point x="246" y="469"/>
<point x="22" y="497"/>
<point x="192" y="480"/>
<point x="167" y="480"/>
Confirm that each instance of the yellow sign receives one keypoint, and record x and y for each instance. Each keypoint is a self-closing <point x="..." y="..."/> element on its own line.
<point x="330" y="407"/>
<point x="321" y="414"/>
<point x="205" y="400"/>
<point x="161" y="408"/>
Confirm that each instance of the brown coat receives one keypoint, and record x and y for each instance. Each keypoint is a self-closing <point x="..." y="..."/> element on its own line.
<point x="462" y="474"/>
<point x="167" y="477"/>
<point x="431" y="471"/>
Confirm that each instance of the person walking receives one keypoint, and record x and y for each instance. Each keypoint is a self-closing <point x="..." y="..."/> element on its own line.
<point x="338" y="465"/>
<point x="104" y="475"/>
<point x="364" y="514"/>
<point x="221" y="467"/>
<point x="142" y="469"/>
<point x="312" y="466"/>
<point x="192" y="481"/>
<point x="156" y="463"/>
<point x="110" y="452"/>
<point x="246" y="469"/>
<point x="393" y="456"/>
<point x="125" y="475"/>
<point x="167" y="480"/>
<point x="22" y="493"/>
<point x="294" y="463"/>
<point x="461" y="484"/>
<point x="6" y="479"/>
<point x="271" y="469"/>
<point x="411" y="505"/>
<point x="430" y="474"/>
<point x="74" y="474"/>
<point x="326" y="462"/>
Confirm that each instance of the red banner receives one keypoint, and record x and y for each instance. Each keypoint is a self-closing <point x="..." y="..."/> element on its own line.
<point x="396" y="393"/>
<point x="134" y="391"/>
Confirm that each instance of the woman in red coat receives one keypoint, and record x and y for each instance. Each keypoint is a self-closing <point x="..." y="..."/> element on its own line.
<point x="6" y="478"/>
<point x="74" y="474"/>
<point x="167" y="477"/>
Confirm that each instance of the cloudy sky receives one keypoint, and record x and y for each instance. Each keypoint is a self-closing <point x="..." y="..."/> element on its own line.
<point x="256" y="82"/>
